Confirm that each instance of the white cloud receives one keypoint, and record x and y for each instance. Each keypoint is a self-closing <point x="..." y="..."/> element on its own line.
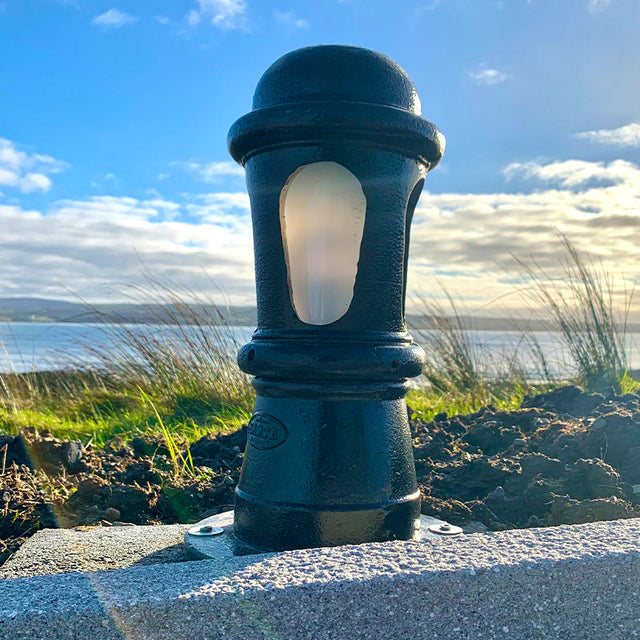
<point x="290" y="20"/>
<point x="35" y="182"/>
<point x="26" y="172"/>
<point x="113" y="19"/>
<point x="223" y="14"/>
<point x="593" y="6"/>
<point x="485" y="76"/>
<point x="575" y="173"/>
<point x="468" y="240"/>
<point x="210" y="171"/>
<point x="162" y="20"/>
<point x="626" y="136"/>
<point x="216" y="207"/>
<point x="83" y="246"/>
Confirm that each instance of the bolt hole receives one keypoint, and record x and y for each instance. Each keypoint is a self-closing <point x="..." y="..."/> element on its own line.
<point x="395" y="363"/>
<point x="251" y="355"/>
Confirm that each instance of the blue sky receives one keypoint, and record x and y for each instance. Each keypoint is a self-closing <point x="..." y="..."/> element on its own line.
<point x="113" y="124"/>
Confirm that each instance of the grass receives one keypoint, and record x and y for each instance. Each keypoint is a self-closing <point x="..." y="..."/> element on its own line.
<point x="459" y="377"/>
<point x="580" y="306"/>
<point x="182" y="463"/>
<point x="181" y="381"/>
<point x="184" y="382"/>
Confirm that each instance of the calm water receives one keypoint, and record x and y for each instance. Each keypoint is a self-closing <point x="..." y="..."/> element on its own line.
<point x="33" y="346"/>
<point x="29" y="346"/>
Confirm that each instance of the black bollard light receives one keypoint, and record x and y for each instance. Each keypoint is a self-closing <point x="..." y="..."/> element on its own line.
<point x="335" y="152"/>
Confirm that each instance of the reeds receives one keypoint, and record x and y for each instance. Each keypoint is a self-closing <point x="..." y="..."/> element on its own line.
<point x="188" y="350"/>
<point x="459" y="375"/>
<point x="580" y="307"/>
<point x="182" y="359"/>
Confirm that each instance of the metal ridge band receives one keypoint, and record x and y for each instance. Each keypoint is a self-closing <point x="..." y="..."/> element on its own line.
<point x="322" y="390"/>
<point x="331" y="361"/>
<point x="321" y="123"/>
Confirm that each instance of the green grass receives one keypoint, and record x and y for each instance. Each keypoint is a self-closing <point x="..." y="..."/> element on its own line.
<point x="100" y="428"/>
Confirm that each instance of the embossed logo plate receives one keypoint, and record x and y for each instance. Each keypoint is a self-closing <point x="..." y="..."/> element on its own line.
<point x="266" y="432"/>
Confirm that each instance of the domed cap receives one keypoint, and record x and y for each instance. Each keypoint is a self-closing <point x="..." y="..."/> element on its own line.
<point x="336" y="72"/>
<point x="335" y="93"/>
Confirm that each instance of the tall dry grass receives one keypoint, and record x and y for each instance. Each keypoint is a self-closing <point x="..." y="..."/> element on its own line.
<point x="580" y="307"/>
<point x="181" y="366"/>
<point x="461" y="375"/>
<point x="191" y="355"/>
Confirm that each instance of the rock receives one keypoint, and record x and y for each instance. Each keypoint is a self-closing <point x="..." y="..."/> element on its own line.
<point x="569" y="400"/>
<point x="566" y="510"/>
<point x="112" y="514"/>
<point x="588" y="479"/>
<point x="71" y="455"/>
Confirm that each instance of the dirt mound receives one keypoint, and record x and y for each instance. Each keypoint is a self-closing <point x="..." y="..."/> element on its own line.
<point x="565" y="457"/>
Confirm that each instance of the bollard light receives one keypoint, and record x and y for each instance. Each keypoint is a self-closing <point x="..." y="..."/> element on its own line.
<point x="335" y="152"/>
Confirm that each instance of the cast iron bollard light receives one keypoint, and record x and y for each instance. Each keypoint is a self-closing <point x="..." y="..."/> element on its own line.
<point x="335" y="152"/>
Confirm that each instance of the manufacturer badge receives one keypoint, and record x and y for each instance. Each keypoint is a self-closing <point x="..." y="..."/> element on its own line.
<point x="266" y="432"/>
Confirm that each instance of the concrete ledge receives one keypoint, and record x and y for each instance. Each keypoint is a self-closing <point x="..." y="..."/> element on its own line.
<point x="567" y="582"/>
<point x="66" y="550"/>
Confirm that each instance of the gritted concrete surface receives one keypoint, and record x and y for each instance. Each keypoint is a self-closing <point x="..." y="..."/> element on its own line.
<point x="571" y="582"/>
<point x="66" y="550"/>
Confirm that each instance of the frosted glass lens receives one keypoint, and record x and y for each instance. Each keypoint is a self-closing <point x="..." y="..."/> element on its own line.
<point x="322" y="210"/>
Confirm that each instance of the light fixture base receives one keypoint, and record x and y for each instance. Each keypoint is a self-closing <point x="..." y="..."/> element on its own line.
<point x="201" y="546"/>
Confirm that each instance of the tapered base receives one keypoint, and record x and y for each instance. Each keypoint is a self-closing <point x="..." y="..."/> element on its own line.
<point x="285" y="526"/>
<point x="327" y="472"/>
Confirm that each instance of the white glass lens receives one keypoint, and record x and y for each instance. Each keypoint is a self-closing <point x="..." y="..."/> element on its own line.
<point x="322" y="211"/>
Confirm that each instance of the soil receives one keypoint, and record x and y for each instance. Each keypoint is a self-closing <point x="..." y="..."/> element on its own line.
<point x="565" y="457"/>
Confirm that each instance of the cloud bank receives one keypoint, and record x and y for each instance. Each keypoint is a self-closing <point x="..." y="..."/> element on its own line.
<point x="470" y="242"/>
<point x="95" y="247"/>
<point x="467" y="241"/>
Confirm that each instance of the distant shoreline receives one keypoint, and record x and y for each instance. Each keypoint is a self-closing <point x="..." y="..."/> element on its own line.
<point x="42" y="311"/>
